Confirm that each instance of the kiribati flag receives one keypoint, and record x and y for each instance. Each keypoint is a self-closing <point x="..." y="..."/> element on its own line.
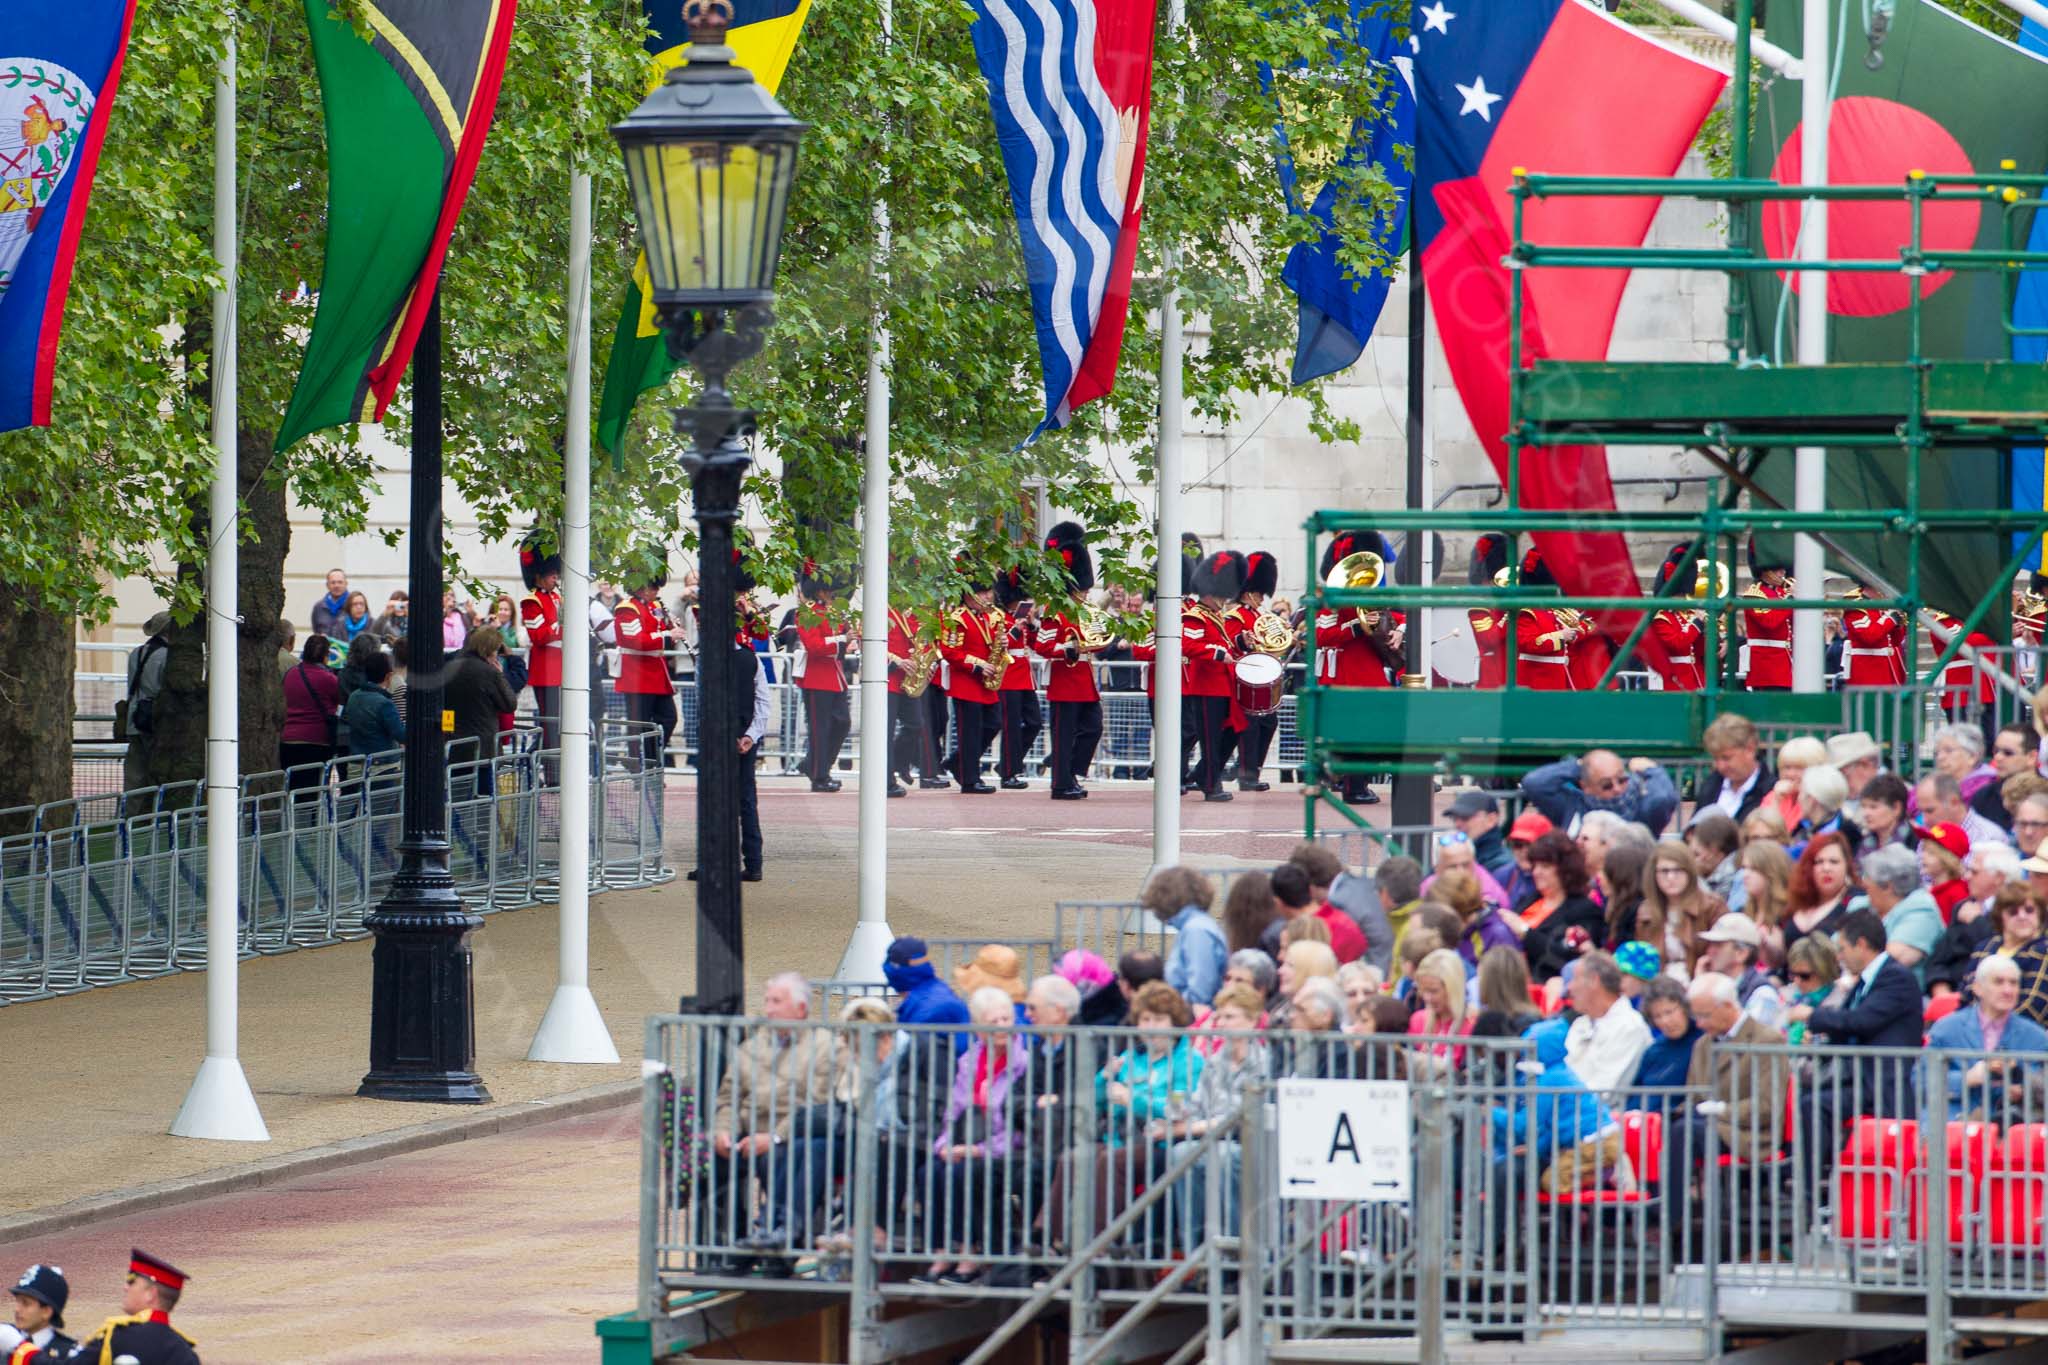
<point x="1555" y="86"/>
<point x="59" y="68"/>
<point x="1070" y="85"/>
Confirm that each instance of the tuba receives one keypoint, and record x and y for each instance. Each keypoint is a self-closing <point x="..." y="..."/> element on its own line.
<point x="1362" y="570"/>
<point x="1712" y="579"/>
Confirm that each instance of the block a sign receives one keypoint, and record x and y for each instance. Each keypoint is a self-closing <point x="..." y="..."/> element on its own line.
<point x="1344" y="1140"/>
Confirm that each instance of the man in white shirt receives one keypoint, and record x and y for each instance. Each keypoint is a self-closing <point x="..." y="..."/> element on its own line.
<point x="1741" y="779"/>
<point x="1608" y="1039"/>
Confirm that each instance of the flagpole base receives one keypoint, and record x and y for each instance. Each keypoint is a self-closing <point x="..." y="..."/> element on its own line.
<point x="862" y="960"/>
<point x="220" y="1107"/>
<point x="573" y="1030"/>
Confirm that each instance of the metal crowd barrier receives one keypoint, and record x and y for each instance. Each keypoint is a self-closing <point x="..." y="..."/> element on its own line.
<point x="113" y="888"/>
<point x="1795" y="1189"/>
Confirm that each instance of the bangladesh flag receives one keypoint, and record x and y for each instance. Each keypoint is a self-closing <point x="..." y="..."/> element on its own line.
<point x="762" y="36"/>
<point x="407" y="112"/>
<point x="1948" y="98"/>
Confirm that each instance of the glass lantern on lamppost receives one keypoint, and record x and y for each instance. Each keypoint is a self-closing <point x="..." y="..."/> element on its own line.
<point x="710" y="158"/>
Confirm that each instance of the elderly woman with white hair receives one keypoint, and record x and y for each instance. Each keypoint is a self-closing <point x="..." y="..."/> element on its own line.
<point x="1795" y="756"/>
<point x="1823" y="792"/>
<point x="1959" y="753"/>
<point x="1912" y="921"/>
<point x="978" y="1142"/>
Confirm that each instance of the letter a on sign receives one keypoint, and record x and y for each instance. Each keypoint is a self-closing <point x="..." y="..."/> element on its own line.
<point x="1344" y="1140"/>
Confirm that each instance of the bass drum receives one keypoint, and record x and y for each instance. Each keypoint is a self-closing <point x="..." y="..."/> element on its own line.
<point x="1255" y="682"/>
<point x="1453" y="650"/>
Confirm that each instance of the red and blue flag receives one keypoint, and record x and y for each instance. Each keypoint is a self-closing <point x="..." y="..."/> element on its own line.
<point x="59" y="68"/>
<point x="1070" y="86"/>
<point x="1560" y="87"/>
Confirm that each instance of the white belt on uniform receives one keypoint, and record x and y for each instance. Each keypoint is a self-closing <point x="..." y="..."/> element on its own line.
<point x="1770" y="644"/>
<point x="1852" y="652"/>
<point x="1683" y="658"/>
<point x="1543" y="658"/>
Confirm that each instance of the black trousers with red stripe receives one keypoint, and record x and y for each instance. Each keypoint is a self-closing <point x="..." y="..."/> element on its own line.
<point x="1253" y="743"/>
<point x="829" y="717"/>
<point x="907" y="745"/>
<point x="977" y="723"/>
<point x="1022" y="721"/>
<point x="1211" y="715"/>
<point x="935" y="756"/>
<point x="1076" y="730"/>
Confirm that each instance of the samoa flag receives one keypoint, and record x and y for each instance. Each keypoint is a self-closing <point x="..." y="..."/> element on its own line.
<point x="59" y="68"/>
<point x="1070" y="86"/>
<point x="1555" y="86"/>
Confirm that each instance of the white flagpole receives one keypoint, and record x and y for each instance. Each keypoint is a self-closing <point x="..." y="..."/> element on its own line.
<point x="862" y="960"/>
<point x="1770" y="54"/>
<point x="1166" y="698"/>
<point x="1809" y="476"/>
<point x="220" y="1104"/>
<point x="573" y="1029"/>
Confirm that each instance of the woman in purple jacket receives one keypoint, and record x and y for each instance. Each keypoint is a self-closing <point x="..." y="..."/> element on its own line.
<point x="312" y="709"/>
<point x="977" y="1142"/>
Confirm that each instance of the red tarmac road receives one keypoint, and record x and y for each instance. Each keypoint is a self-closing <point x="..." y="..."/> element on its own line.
<point x="502" y="1248"/>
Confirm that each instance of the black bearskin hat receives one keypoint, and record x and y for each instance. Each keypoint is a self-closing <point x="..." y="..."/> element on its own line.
<point x="1352" y="542"/>
<point x="1009" y="586"/>
<point x="2038" y="584"/>
<point x="532" y="563"/>
<point x="1535" y="572"/>
<point x="1069" y="540"/>
<point x="1489" y="557"/>
<point x="1761" y="559"/>
<point x="1261" y="573"/>
<point x="1675" y="560"/>
<point x="742" y="577"/>
<point x="1220" y="575"/>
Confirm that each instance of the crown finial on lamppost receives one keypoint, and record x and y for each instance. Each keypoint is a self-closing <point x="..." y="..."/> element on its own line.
<point x="707" y="20"/>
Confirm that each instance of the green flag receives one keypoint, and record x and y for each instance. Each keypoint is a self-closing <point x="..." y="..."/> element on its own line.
<point x="1947" y="98"/>
<point x="407" y="113"/>
<point x="762" y="36"/>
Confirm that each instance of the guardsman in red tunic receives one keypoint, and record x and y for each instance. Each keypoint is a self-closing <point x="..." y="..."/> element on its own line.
<point x="1017" y="697"/>
<point x="965" y="645"/>
<point x="1070" y="682"/>
<point x="1255" y="740"/>
<point x="822" y="636"/>
<point x="1682" y="632"/>
<point x="1206" y="645"/>
<point x="1767" y="631"/>
<point x="1355" y="646"/>
<point x="540" y="617"/>
<point x="1963" y="679"/>
<point x="1873" y="653"/>
<point x="1543" y="635"/>
<point x="646" y="632"/>
<point x="1489" y="624"/>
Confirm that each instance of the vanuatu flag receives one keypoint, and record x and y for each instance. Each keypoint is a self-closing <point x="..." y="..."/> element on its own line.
<point x="407" y="112"/>
<point x="762" y="35"/>
<point x="1947" y="98"/>
<point x="59" y="66"/>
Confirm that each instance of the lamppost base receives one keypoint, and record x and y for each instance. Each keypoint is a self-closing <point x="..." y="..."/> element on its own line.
<point x="862" y="960"/>
<point x="573" y="1030"/>
<point x="220" y="1106"/>
<point x="422" y="1012"/>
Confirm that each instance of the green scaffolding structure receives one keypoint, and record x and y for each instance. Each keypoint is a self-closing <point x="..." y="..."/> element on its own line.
<point x="1738" y="414"/>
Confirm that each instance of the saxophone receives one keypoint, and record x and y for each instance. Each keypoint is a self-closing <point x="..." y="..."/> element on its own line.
<point x="998" y="626"/>
<point x="924" y="662"/>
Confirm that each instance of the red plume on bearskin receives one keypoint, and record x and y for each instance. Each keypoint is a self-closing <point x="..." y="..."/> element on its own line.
<point x="1220" y="575"/>
<point x="1346" y="543"/>
<point x="1261" y="573"/>
<point x="1677" y="558"/>
<point x="1535" y="572"/>
<point x="533" y="565"/>
<point x="1069" y="540"/>
<point x="1489" y="557"/>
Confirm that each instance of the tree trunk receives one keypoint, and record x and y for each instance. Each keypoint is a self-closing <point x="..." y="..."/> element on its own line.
<point x="37" y="662"/>
<point x="181" y="711"/>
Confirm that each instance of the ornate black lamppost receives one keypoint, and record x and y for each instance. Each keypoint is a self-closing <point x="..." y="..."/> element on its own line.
<point x="710" y="157"/>
<point x="422" y="1009"/>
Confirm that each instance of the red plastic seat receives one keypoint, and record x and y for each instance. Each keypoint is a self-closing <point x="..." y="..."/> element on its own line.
<point x="1874" y="1166"/>
<point x="1974" y="1150"/>
<point x="2013" y="1196"/>
<point x="1940" y="1008"/>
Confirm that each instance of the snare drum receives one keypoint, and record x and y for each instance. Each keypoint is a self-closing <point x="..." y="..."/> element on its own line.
<point x="1255" y="681"/>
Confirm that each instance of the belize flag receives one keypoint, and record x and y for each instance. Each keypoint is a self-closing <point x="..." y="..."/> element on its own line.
<point x="1070" y="86"/>
<point x="1555" y="86"/>
<point x="59" y="68"/>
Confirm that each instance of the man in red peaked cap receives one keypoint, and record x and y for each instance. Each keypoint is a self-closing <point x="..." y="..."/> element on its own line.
<point x="142" y="1331"/>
